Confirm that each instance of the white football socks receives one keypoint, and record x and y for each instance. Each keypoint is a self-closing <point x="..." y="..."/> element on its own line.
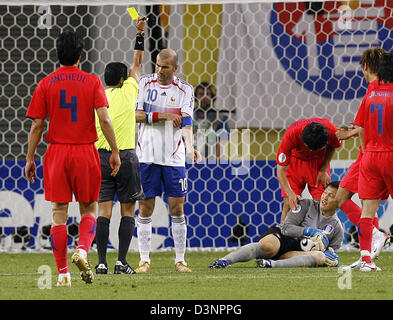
<point x="144" y="232"/>
<point x="179" y="233"/>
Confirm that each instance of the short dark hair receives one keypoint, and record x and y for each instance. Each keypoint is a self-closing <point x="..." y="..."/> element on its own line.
<point x="386" y="70"/>
<point x="334" y="184"/>
<point x="113" y="73"/>
<point x="315" y="135"/>
<point x="372" y="57"/>
<point x="69" y="46"/>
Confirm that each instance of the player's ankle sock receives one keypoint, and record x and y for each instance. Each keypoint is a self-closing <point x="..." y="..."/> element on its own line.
<point x="308" y="260"/>
<point x="144" y="231"/>
<point x="126" y="230"/>
<point x="365" y="232"/>
<point x="366" y="256"/>
<point x="245" y="253"/>
<point x="179" y="233"/>
<point x="59" y="240"/>
<point x="87" y="232"/>
<point x="376" y="222"/>
<point x="352" y="211"/>
<point x="102" y="237"/>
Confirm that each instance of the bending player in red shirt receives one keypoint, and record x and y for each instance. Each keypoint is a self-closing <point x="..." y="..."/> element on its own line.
<point x="370" y="62"/>
<point x="303" y="158"/>
<point x="69" y="97"/>
<point x="375" y="117"/>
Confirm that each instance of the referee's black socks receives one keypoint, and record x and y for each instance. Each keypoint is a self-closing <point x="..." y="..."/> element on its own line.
<point x="126" y="231"/>
<point x="102" y="237"/>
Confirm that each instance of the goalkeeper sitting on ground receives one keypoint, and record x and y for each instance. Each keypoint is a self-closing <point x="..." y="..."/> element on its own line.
<point x="307" y="237"/>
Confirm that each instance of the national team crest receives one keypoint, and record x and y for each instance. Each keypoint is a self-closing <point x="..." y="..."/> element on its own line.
<point x="328" y="229"/>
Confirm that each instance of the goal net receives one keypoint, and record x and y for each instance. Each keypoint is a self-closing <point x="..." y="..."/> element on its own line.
<point x="267" y="64"/>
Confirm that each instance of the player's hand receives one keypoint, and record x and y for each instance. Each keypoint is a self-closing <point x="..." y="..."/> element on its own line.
<point x="342" y="134"/>
<point x="31" y="171"/>
<point x="324" y="178"/>
<point x="331" y="258"/>
<point x="320" y="240"/>
<point x="197" y="156"/>
<point x="115" y="163"/>
<point x="310" y="231"/>
<point x="140" y="24"/>
<point x="293" y="201"/>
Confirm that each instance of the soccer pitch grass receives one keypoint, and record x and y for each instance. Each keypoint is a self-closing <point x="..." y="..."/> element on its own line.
<point x="19" y="278"/>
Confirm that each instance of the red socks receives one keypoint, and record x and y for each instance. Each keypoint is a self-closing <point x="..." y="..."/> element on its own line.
<point x="352" y="210"/>
<point x="59" y="240"/>
<point x="365" y="232"/>
<point x="87" y="232"/>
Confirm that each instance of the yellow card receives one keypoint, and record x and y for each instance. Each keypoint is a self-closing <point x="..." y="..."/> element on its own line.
<point x="134" y="15"/>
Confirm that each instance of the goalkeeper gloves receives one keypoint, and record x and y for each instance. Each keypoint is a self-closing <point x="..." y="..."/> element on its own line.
<point x="318" y="237"/>
<point x="331" y="259"/>
<point x="310" y="231"/>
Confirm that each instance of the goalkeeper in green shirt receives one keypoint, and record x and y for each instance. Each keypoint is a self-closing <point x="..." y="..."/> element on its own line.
<point x="307" y="237"/>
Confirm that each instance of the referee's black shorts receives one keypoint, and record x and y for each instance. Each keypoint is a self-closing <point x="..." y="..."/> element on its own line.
<point x="286" y="243"/>
<point x="126" y="184"/>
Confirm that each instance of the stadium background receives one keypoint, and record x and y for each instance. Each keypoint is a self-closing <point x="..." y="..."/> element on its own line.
<point x="271" y="64"/>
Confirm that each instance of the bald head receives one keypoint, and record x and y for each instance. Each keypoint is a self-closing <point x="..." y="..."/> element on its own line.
<point x="169" y="54"/>
<point x="166" y="66"/>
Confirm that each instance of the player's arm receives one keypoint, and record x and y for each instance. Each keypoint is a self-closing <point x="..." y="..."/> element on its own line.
<point x="188" y="138"/>
<point x="284" y="183"/>
<point x="361" y="137"/>
<point x="347" y="133"/>
<point x="152" y="117"/>
<point x="136" y="67"/>
<point x="109" y="133"/>
<point x="37" y="127"/>
<point x="291" y="226"/>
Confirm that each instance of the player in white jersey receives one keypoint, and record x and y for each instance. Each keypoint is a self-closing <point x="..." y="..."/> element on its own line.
<point x="164" y="112"/>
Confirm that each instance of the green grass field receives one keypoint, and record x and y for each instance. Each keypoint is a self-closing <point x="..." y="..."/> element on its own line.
<point x="19" y="278"/>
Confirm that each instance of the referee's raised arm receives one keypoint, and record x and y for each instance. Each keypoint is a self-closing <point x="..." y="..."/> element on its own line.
<point x="136" y="67"/>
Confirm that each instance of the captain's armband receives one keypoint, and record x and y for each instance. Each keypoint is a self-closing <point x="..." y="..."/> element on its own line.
<point x="186" y="121"/>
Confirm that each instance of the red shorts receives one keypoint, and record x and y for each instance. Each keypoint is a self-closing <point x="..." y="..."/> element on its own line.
<point x="301" y="173"/>
<point x="72" y="169"/>
<point x="350" y="181"/>
<point x="376" y="175"/>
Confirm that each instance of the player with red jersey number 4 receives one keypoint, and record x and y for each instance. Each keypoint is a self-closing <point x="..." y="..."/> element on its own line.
<point x="69" y="97"/>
